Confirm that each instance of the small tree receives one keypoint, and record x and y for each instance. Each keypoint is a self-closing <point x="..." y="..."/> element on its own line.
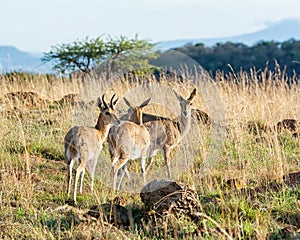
<point x="109" y="54"/>
<point x="79" y="55"/>
<point x="128" y="54"/>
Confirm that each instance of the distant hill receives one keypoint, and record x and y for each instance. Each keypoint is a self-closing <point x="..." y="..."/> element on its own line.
<point x="280" y="31"/>
<point x="13" y="59"/>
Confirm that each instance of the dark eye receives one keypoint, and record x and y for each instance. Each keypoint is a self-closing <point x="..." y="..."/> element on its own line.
<point x="107" y="113"/>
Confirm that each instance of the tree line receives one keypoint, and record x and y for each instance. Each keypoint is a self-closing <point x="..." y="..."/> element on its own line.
<point x="228" y="57"/>
<point x="108" y="54"/>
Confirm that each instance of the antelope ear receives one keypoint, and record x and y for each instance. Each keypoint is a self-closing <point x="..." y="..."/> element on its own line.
<point x="128" y="103"/>
<point x="179" y="97"/>
<point x="192" y="96"/>
<point x="145" y="103"/>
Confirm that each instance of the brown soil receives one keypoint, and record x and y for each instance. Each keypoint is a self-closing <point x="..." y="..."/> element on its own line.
<point x="28" y="99"/>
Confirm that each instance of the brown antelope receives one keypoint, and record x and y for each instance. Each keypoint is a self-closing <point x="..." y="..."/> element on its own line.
<point x="84" y="144"/>
<point x="129" y="140"/>
<point x="200" y="116"/>
<point x="165" y="134"/>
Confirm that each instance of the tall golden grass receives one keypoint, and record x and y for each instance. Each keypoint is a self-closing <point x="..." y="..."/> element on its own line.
<point x="33" y="175"/>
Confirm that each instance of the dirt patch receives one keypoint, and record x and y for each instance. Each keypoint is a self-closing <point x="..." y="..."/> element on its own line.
<point x="68" y="99"/>
<point x="28" y="99"/>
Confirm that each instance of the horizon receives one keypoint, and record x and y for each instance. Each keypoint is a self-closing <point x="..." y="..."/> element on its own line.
<point x="31" y="30"/>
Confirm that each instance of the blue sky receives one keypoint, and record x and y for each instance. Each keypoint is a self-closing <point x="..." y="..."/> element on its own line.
<point x="36" y="25"/>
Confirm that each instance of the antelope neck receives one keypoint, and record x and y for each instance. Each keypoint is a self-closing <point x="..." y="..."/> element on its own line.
<point x="184" y="123"/>
<point x="102" y="128"/>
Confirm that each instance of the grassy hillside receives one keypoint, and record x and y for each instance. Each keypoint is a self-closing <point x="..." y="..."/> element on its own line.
<point x="247" y="193"/>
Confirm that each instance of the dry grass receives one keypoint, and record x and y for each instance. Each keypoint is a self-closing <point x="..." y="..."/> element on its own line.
<point x="33" y="174"/>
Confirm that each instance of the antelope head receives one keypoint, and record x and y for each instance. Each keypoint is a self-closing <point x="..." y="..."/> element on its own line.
<point x="135" y="113"/>
<point x="108" y="110"/>
<point x="186" y="104"/>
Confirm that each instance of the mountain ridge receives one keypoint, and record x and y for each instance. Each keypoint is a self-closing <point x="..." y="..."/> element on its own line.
<point x="13" y="59"/>
<point x="280" y="31"/>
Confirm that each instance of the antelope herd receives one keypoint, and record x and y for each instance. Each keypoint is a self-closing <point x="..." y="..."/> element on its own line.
<point x="135" y="135"/>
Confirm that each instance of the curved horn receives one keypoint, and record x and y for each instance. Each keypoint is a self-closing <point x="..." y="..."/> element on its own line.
<point x="112" y="98"/>
<point x="112" y="102"/>
<point x="99" y="103"/>
<point x="105" y="104"/>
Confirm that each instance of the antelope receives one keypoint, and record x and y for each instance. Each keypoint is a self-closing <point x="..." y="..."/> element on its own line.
<point x="129" y="140"/>
<point x="199" y="115"/>
<point x="166" y="134"/>
<point x="84" y="144"/>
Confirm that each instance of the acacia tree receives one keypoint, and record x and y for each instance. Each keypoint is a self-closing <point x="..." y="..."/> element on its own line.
<point x="109" y="54"/>
<point x="128" y="54"/>
<point x="79" y="55"/>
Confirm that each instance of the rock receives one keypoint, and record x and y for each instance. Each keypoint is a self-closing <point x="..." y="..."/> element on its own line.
<point x="168" y="196"/>
<point x="291" y="125"/>
<point x="112" y="213"/>
<point x="155" y="191"/>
